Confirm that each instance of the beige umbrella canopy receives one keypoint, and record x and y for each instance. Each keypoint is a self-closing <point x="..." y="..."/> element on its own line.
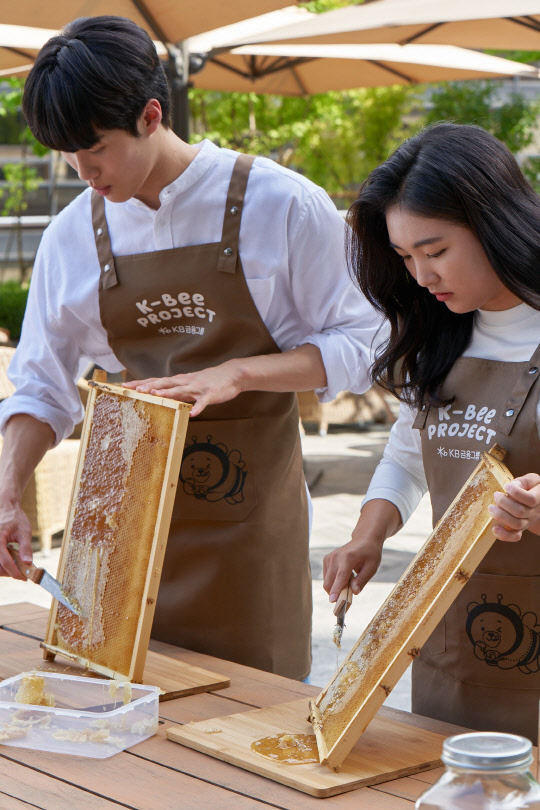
<point x="168" y="20"/>
<point x="19" y="45"/>
<point x="483" y="24"/>
<point x="297" y="69"/>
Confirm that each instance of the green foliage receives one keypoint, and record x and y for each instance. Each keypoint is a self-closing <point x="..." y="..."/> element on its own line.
<point x="512" y="122"/>
<point x="21" y="180"/>
<point x="335" y="138"/>
<point x="531" y="170"/>
<point x="12" y="305"/>
<point x="320" y="6"/>
<point x="10" y="110"/>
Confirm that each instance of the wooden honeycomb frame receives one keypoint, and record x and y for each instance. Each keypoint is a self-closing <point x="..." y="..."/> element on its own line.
<point x="415" y="606"/>
<point x="116" y="534"/>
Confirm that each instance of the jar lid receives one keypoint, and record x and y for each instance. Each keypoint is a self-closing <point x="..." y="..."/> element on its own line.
<point x="489" y="750"/>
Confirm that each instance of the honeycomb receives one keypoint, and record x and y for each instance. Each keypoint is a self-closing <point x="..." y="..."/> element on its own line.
<point x="415" y="594"/>
<point x="112" y="529"/>
<point x="32" y="691"/>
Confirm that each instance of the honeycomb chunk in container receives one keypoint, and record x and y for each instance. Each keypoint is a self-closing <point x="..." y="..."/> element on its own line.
<point x="85" y="720"/>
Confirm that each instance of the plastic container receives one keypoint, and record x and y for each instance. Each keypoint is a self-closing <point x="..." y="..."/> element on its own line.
<point x="89" y="717"/>
<point x="484" y="771"/>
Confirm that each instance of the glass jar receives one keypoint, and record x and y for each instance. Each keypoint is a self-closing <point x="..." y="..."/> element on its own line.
<point x="484" y="771"/>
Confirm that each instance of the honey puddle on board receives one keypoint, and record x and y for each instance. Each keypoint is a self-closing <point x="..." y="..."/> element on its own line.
<point x="290" y="749"/>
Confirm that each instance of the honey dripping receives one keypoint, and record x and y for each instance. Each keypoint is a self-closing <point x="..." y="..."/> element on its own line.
<point x="289" y="749"/>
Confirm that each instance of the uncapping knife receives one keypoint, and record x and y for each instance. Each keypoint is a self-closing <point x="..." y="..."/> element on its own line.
<point x="43" y="578"/>
<point x="343" y="603"/>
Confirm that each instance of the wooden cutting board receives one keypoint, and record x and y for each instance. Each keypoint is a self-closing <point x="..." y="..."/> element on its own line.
<point x="388" y="749"/>
<point x="174" y="678"/>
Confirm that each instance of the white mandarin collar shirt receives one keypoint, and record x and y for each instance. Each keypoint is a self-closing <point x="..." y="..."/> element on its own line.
<point x="292" y="252"/>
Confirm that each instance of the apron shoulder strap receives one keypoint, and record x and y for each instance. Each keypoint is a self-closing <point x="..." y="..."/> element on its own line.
<point x="228" y="249"/>
<point x="421" y="417"/>
<point x="107" y="276"/>
<point x="519" y="393"/>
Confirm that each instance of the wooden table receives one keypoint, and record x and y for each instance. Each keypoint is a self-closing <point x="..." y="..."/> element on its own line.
<point x="161" y="775"/>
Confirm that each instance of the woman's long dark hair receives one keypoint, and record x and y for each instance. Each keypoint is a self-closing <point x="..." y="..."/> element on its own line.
<point x="459" y="173"/>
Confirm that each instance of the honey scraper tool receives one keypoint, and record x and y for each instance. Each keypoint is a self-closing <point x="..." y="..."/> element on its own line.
<point x="43" y="578"/>
<point x="343" y="603"/>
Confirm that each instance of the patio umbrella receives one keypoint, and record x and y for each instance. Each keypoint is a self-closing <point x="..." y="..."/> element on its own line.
<point x="19" y="45"/>
<point x="298" y="69"/>
<point x="170" y="21"/>
<point x="495" y="24"/>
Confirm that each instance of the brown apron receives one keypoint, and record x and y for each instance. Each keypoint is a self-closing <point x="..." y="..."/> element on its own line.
<point x="481" y="665"/>
<point x="236" y="581"/>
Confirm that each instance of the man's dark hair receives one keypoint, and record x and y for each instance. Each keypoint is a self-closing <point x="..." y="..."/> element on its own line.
<point x="97" y="74"/>
<point x="459" y="173"/>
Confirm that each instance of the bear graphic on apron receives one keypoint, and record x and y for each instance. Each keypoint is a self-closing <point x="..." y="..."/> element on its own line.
<point x="481" y="666"/>
<point x="236" y="581"/>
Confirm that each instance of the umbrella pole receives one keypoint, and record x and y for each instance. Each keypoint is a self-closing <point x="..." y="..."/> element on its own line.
<point x="177" y="70"/>
<point x="180" y="108"/>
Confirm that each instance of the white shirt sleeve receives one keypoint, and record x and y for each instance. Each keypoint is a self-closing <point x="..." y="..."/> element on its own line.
<point x="341" y="322"/>
<point x="45" y="364"/>
<point x="53" y="350"/>
<point x="399" y="476"/>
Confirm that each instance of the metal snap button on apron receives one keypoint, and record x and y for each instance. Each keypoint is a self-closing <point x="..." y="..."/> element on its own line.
<point x="533" y="370"/>
<point x="99" y="231"/>
<point x="233" y="210"/>
<point x="509" y="412"/>
<point x="228" y="252"/>
<point x="107" y="268"/>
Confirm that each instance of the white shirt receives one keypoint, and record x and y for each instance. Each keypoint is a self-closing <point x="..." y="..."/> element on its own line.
<point x="292" y="252"/>
<point x="511" y="335"/>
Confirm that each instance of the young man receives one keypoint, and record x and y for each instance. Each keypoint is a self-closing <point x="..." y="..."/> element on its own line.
<point x="212" y="278"/>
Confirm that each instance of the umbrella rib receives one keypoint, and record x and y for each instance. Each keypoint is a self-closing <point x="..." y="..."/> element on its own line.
<point x="392" y="70"/>
<point x="19" y="52"/>
<point x="232" y="69"/>
<point x="274" y="68"/>
<point x="284" y="63"/>
<point x="152" y="22"/>
<point x="299" y="82"/>
<point x="421" y="33"/>
<point x="526" y="22"/>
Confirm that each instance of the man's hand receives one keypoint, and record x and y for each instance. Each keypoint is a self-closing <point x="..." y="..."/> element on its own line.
<point x="14" y="528"/>
<point x="517" y="509"/>
<point x="298" y="369"/>
<point x="210" y="386"/>
<point x="26" y="441"/>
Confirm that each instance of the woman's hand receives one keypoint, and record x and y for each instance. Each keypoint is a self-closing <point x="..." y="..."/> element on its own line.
<point x="210" y="386"/>
<point x="362" y="555"/>
<point x="517" y="509"/>
<point x="359" y="557"/>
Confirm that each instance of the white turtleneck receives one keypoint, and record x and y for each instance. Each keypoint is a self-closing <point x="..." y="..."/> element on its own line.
<point x="511" y="335"/>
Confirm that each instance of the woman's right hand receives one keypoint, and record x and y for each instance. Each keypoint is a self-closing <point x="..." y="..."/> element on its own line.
<point x="359" y="558"/>
<point x="357" y="561"/>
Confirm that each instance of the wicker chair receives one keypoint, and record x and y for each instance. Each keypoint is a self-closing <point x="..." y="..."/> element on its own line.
<point x="347" y="408"/>
<point x="46" y="498"/>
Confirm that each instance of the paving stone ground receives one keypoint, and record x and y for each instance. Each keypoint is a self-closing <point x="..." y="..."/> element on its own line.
<point x="338" y="467"/>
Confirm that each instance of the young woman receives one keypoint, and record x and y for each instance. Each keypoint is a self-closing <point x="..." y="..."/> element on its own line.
<point x="445" y="241"/>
